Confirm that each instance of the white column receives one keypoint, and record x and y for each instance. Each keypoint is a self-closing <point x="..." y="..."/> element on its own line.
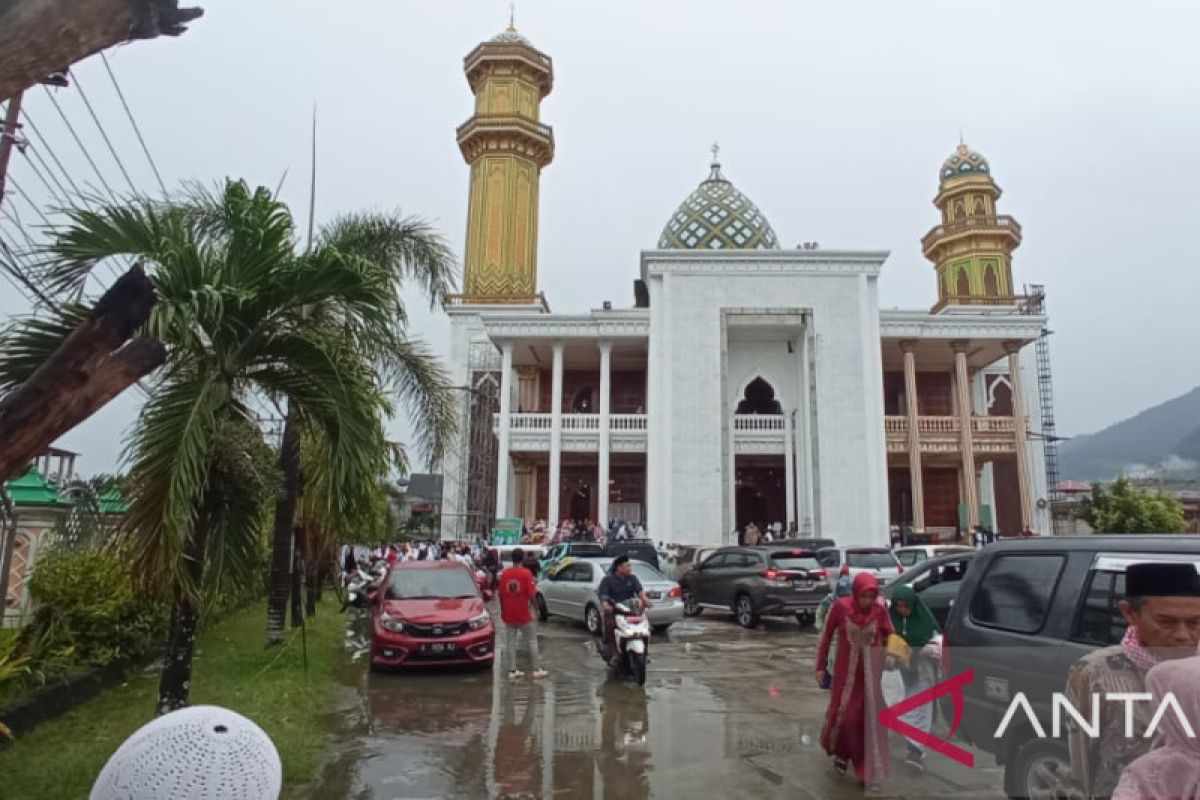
<point x="556" y="437"/>
<point x="911" y="405"/>
<point x="804" y="454"/>
<point x="502" y="458"/>
<point x="789" y="467"/>
<point x="605" y="407"/>
<point x="1021" y="434"/>
<point x="962" y="385"/>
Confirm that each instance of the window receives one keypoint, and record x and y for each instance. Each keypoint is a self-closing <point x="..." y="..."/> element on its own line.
<point x="646" y="573"/>
<point x="829" y="558"/>
<point x="748" y="560"/>
<point x="1100" y="621"/>
<point x="788" y="561"/>
<point x="581" y="573"/>
<point x="716" y="560"/>
<point x="1016" y="591"/>
<point x="871" y="559"/>
<point x="910" y="557"/>
<point x="431" y="584"/>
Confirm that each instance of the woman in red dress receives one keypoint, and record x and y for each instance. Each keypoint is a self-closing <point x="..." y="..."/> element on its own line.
<point x="851" y="732"/>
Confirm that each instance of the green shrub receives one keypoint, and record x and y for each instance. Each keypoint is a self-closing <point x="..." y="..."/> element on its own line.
<point x="86" y="605"/>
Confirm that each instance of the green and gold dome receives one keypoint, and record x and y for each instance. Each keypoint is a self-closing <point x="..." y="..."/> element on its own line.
<point x="716" y="216"/>
<point x="964" y="161"/>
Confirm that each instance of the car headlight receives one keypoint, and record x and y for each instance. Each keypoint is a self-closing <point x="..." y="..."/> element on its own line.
<point x="475" y="623"/>
<point x="393" y="624"/>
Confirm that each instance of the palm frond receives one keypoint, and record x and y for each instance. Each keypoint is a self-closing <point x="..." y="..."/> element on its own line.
<point x="27" y="343"/>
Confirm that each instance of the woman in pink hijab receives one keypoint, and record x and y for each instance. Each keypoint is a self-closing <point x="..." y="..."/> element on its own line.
<point x="1171" y="771"/>
<point x="851" y="735"/>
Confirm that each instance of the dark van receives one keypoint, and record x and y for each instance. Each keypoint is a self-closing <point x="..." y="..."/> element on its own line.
<point x="1026" y="611"/>
<point x="641" y="549"/>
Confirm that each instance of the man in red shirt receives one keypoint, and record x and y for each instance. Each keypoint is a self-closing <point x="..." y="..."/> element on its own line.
<point x="517" y="590"/>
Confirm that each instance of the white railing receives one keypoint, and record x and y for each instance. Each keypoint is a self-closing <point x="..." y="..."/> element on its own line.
<point x="937" y="425"/>
<point x="1006" y="425"/>
<point x="581" y="422"/>
<point x="627" y="422"/>
<point x="528" y="422"/>
<point x="895" y="424"/>
<point x="758" y="422"/>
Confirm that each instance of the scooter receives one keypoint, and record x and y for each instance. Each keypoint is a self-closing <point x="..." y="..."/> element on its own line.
<point x="632" y="635"/>
<point x="361" y="589"/>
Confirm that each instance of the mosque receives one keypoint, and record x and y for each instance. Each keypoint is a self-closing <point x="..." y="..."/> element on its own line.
<point x="747" y="381"/>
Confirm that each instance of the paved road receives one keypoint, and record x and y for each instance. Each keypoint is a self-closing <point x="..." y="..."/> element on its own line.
<point x="725" y="713"/>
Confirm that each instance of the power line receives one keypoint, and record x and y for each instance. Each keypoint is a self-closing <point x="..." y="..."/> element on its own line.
<point x="50" y="151"/>
<point x="62" y="189"/>
<point x="133" y="122"/>
<point x="79" y="142"/>
<point x="103" y="133"/>
<point x="11" y="269"/>
<point x="50" y="189"/>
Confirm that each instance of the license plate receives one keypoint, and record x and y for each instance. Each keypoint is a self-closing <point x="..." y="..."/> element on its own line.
<point x="439" y="647"/>
<point x="803" y="586"/>
<point x="654" y="595"/>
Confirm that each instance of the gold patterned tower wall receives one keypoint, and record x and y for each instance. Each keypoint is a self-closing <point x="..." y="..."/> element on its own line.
<point x="506" y="146"/>
<point x="972" y="248"/>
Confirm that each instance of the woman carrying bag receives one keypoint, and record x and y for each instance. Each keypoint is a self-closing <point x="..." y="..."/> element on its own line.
<point x="909" y="651"/>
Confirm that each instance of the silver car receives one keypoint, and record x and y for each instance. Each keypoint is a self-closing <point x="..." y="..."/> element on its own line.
<point x="571" y="592"/>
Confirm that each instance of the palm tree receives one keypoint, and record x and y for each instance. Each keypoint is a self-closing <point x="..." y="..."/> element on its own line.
<point x="233" y="314"/>
<point x="401" y="251"/>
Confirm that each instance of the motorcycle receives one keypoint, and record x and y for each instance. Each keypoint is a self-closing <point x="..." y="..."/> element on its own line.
<point x="632" y="636"/>
<point x="363" y="585"/>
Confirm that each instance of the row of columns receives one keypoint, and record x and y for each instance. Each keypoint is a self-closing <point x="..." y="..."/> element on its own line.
<point x="526" y="483"/>
<point x="964" y="408"/>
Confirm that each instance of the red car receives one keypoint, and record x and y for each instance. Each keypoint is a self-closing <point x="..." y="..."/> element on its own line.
<point x="431" y="613"/>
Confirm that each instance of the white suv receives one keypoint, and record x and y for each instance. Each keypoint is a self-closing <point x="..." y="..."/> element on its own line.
<point x="853" y="559"/>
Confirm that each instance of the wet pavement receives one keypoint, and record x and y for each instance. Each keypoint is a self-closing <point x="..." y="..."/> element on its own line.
<point x="725" y="713"/>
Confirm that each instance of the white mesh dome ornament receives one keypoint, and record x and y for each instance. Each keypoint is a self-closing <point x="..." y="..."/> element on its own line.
<point x="196" y="753"/>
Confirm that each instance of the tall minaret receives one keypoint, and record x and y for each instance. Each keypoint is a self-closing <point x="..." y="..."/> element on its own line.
<point x="507" y="147"/>
<point x="972" y="248"/>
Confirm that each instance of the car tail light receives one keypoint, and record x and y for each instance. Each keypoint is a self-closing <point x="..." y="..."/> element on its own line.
<point x="772" y="574"/>
<point x="819" y="573"/>
<point x="675" y="592"/>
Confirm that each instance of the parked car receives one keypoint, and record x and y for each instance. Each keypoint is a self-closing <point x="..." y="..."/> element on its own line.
<point x="763" y="580"/>
<point x="640" y="549"/>
<point x="853" y="559"/>
<point x="915" y="554"/>
<point x="686" y="557"/>
<point x="936" y="581"/>
<point x="431" y="613"/>
<point x="570" y="591"/>
<point x="570" y="549"/>
<point x="804" y="544"/>
<point x="1026" y="611"/>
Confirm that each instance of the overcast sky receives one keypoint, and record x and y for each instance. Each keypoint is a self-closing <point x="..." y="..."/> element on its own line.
<point x="834" y="119"/>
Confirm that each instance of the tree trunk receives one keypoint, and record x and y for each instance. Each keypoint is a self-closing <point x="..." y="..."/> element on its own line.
<point x="298" y="580"/>
<point x="88" y="369"/>
<point x="279" y="580"/>
<point x="176" y="681"/>
<point x="38" y="37"/>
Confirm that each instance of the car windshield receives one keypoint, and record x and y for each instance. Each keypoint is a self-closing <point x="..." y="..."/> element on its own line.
<point x="646" y="573"/>
<point x="431" y="584"/>
<point x="871" y="559"/>
<point x="797" y="562"/>
<point x="910" y="557"/>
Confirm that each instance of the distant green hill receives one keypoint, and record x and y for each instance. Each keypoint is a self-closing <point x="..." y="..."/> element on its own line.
<point x="1167" y="436"/>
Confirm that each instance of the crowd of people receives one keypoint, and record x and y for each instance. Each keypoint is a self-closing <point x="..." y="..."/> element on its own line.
<point x="755" y="534"/>
<point x="1159" y="656"/>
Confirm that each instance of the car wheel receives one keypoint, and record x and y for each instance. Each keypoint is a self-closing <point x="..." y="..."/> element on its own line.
<point x="543" y="612"/>
<point x="1041" y="771"/>
<point x="661" y="630"/>
<point x="690" y="607"/>
<point x="591" y="619"/>
<point x="744" y="609"/>
<point x="806" y="619"/>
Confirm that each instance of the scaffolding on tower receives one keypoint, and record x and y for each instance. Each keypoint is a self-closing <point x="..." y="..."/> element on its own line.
<point x="1035" y="304"/>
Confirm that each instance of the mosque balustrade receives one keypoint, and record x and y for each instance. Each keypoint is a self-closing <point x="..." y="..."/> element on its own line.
<point x="942" y="434"/>
<point x="998" y="222"/>
<point x="759" y="434"/>
<point x="579" y="432"/>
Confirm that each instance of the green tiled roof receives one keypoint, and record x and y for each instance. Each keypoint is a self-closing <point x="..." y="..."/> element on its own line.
<point x="112" y="502"/>
<point x="31" y="489"/>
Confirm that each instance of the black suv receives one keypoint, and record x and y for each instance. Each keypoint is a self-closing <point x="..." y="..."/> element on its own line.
<point x="641" y="549"/>
<point x="1026" y="611"/>
<point x="764" y="580"/>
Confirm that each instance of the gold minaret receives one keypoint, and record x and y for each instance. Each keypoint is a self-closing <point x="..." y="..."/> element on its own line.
<point x="507" y="147"/>
<point x="972" y="248"/>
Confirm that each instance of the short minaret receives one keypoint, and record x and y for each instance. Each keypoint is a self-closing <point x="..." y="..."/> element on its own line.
<point x="972" y="248"/>
<point x="507" y="147"/>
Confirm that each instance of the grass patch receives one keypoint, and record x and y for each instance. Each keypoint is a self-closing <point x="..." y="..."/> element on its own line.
<point x="61" y="758"/>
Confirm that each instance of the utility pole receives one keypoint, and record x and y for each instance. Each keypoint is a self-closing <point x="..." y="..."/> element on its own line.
<point x="8" y="137"/>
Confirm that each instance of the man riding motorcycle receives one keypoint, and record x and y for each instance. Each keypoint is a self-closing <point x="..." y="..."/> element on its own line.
<point x="620" y="585"/>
